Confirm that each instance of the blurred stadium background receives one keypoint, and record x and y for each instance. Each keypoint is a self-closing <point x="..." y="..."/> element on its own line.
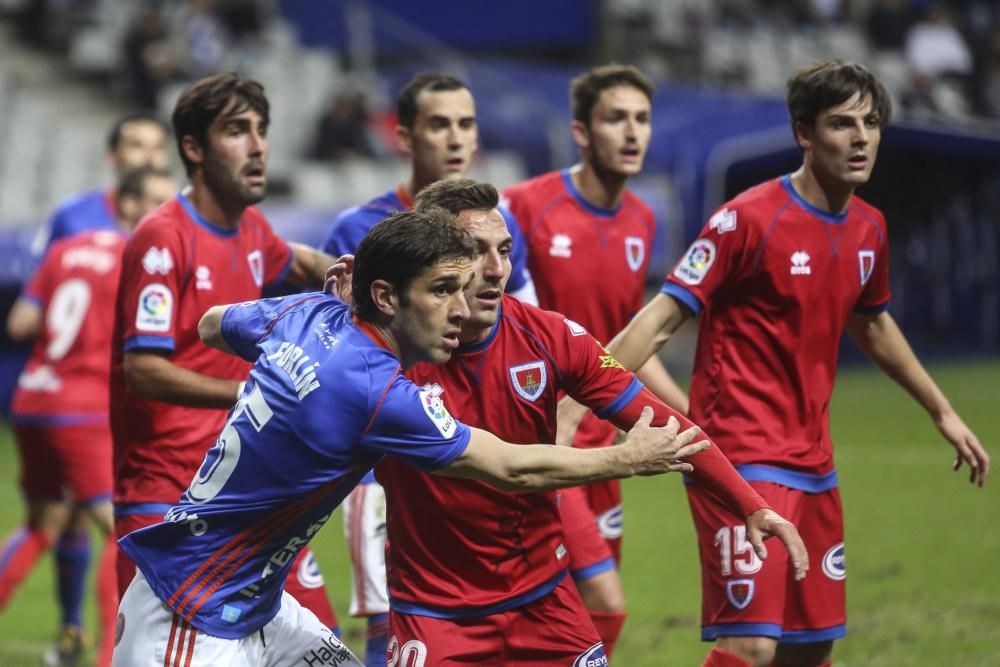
<point x="923" y="550"/>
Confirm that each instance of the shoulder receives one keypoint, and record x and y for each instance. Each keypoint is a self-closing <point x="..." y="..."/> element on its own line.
<point x="544" y="325"/>
<point x="550" y="182"/>
<point x="751" y="210"/>
<point x="867" y="211"/>
<point x="74" y="203"/>
<point x="254" y="216"/>
<point x="631" y="201"/>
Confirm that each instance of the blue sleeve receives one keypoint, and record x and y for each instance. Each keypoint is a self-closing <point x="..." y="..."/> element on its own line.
<point x="413" y="424"/>
<point x="244" y="324"/>
<point x="57" y="225"/>
<point x="347" y="231"/>
<point x="518" y="252"/>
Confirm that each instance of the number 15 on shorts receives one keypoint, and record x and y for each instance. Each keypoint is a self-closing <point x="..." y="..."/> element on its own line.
<point x="736" y="552"/>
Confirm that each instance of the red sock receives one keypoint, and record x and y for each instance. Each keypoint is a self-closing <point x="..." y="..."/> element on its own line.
<point x="107" y="601"/>
<point x="720" y="657"/>
<point x="608" y="626"/>
<point x="18" y="557"/>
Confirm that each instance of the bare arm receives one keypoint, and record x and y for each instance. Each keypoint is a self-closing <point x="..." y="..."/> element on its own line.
<point x="24" y="321"/>
<point x="309" y="266"/>
<point x="646" y="451"/>
<point x="880" y="338"/>
<point x="210" y="329"/>
<point x="633" y="347"/>
<point x="151" y="375"/>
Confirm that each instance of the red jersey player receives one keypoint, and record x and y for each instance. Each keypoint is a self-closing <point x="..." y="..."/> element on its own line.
<point x="778" y="274"/>
<point x="589" y="242"/>
<point x="169" y="392"/>
<point x="60" y="407"/>
<point x="474" y="573"/>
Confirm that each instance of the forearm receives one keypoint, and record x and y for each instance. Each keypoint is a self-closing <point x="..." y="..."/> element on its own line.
<point x="656" y="378"/>
<point x="152" y="376"/>
<point x="648" y="331"/>
<point x="309" y="266"/>
<point x="24" y="321"/>
<point x="882" y="341"/>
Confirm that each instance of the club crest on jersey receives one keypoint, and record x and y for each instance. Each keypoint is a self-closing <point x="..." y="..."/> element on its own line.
<point x="256" y="261"/>
<point x="430" y="399"/>
<point x="834" y="563"/>
<point x="529" y="379"/>
<point x="866" y="262"/>
<point x="157" y="261"/>
<point x="635" y="252"/>
<point x="696" y="262"/>
<point x="592" y="657"/>
<point x="562" y="246"/>
<point x="723" y="221"/>
<point x="155" y="306"/>
<point x="740" y="592"/>
<point x="800" y="263"/>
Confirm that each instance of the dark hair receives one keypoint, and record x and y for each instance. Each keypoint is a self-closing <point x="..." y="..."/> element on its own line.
<point x="587" y="87"/>
<point x="435" y="82"/>
<point x="202" y="102"/>
<point x="133" y="182"/>
<point x="116" y="131"/>
<point x="824" y="84"/>
<point x="403" y="246"/>
<point x="455" y="196"/>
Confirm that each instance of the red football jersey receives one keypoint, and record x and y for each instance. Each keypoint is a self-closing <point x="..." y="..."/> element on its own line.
<point x="176" y="266"/>
<point x="587" y="262"/>
<point x="463" y="548"/>
<point x="775" y="280"/>
<point x="66" y="379"/>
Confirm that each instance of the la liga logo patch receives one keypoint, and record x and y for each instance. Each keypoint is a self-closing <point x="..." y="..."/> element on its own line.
<point x="156" y="303"/>
<point x="696" y="262"/>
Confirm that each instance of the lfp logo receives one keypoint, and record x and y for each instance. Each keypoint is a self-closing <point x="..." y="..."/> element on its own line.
<point x="155" y="305"/>
<point x="155" y="301"/>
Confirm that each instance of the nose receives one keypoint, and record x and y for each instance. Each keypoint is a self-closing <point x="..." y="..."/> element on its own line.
<point x="861" y="137"/>
<point x="493" y="265"/>
<point x="460" y="307"/>
<point x="258" y="143"/>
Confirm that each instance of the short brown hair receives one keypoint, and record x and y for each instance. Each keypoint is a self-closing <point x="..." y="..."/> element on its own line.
<point x="455" y="196"/>
<point x="824" y="84"/>
<point x="202" y="102"/>
<point x="400" y="248"/>
<point x="435" y="82"/>
<point x="587" y="87"/>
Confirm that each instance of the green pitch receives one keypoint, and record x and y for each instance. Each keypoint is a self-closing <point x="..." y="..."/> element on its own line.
<point x="923" y="545"/>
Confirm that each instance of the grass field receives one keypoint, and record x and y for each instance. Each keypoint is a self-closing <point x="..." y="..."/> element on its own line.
<point x="923" y="545"/>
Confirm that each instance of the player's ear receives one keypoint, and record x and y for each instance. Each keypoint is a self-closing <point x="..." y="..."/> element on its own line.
<point x="581" y="134"/>
<point x="192" y="149"/>
<point x="384" y="297"/>
<point x="803" y="134"/>
<point x="404" y="140"/>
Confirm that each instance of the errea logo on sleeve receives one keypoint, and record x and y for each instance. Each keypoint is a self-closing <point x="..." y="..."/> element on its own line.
<point x="157" y="260"/>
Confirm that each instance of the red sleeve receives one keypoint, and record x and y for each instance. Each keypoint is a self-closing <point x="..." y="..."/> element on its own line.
<point x="515" y="200"/>
<point x="598" y="381"/>
<point x="723" y="248"/>
<point x="39" y="288"/>
<point x="153" y="268"/>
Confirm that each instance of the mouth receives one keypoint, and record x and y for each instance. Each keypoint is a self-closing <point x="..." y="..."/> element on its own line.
<point x="255" y="174"/>
<point x="489" y="298"/>
<point x="858" y="162"/>
<point x="450" y="339"/>
<point x="630" y="154"/>
<point x="455" y="164"/>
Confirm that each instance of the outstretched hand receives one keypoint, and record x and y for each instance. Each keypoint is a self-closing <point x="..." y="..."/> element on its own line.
<point x="659" y="449"/>
<point x="338" y="278"/>
<point x="765" y="523"/>
<point x="967" y="447"/>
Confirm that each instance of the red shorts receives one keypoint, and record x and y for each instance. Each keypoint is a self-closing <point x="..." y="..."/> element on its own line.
<point x="743" y="597"/>
<point x="604" y="499"/>
<point x="304" y="582"/>
<point x="65" y="462"/>
<point x="589" y="553"/>
<point x="554" y="630"/>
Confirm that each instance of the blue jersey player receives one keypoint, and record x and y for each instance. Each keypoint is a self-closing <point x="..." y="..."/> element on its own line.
<point x="325" y="400"/>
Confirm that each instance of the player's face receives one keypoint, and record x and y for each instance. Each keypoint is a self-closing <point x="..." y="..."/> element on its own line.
<point x="492" y="268"/>
<point x="428" y="323"/>
<point x="142" y="144"/>
<point x="444" y="135"/>
<point x="235" y="158"/>
<point x="840" y="147"/>
<point x="156" y="190"/>
<point x="616" y="139"/>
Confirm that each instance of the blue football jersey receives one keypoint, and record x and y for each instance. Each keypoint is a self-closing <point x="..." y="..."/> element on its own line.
<point x="353" y="224"/>
<point x="323" y="403"/>
<point x="85" y="212"/>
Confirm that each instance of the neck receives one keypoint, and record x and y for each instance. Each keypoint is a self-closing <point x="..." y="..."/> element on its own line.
<point x="390" y="341"/>
<point x="416" y="183"/>
<point x="601" y="188"/>
<point x="222" y="214"/>
<point x="826" y="196"/>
